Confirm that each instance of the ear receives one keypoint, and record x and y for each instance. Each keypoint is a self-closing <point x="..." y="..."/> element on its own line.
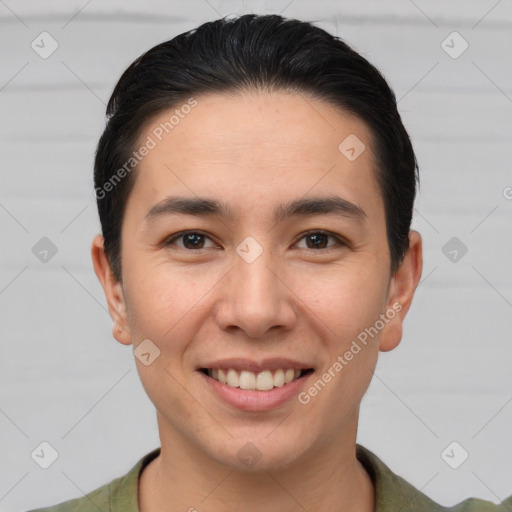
<point x="401" y="291"/>
<point x="113" y="290"/>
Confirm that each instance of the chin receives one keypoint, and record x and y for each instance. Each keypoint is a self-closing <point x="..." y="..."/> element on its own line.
<point x="260" y="453"/>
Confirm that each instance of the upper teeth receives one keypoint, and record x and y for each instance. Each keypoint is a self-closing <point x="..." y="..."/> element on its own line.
<point x="260" y="381"/>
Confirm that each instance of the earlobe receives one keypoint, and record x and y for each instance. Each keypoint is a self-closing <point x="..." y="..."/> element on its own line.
<point x="113" y="292"/>
<point x="401" y="292"/>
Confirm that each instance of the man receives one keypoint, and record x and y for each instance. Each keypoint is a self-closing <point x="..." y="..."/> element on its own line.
<point x="255" y="187"/>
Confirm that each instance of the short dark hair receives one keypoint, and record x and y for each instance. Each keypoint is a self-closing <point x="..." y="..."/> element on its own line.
<point x="261" y="52"/>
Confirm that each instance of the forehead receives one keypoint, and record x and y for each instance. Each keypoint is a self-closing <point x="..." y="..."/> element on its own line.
<point x="256" y="147"/>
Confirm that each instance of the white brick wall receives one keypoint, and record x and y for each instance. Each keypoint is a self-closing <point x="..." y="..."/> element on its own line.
<point x="451" y="375"/>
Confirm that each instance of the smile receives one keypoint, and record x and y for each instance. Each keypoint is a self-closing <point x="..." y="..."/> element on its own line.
<point x="255" y="381"/>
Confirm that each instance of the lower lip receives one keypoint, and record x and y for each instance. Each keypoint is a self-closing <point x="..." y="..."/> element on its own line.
<point x="248" y="400"/>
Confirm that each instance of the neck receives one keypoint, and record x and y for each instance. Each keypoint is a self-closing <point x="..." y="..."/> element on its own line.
<point x="326" y="478"/>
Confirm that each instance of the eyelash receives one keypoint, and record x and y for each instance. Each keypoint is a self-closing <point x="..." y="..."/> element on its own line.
<point x="339" y="241"/>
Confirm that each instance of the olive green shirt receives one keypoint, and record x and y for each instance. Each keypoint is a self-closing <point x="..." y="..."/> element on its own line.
<point x="392" y="493"/>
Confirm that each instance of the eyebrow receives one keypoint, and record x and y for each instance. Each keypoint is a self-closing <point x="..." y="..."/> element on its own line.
<point x="199" y="206"/>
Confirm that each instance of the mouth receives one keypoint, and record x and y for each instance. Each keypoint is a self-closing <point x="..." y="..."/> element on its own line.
<point x="264" y="380"/>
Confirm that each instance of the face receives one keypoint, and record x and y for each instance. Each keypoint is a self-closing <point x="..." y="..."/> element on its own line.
<point x="254" y="251"/>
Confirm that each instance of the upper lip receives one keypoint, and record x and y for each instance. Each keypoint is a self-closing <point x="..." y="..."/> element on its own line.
<point x="274" y="363"/>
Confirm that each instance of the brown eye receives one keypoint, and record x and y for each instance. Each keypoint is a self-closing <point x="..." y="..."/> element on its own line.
<point x="320" y="240"/>
<point x="190" y="240"/>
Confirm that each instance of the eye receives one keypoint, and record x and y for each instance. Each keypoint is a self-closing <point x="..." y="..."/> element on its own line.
<point x="320" y="240"/>
<point x="195" y="240"/>
<point x="190" y="240"/>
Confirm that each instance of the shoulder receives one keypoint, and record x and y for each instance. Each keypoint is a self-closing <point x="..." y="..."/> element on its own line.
<point x="97" y="499"/>
<point x="393" y="493"/>
<point x="121" y="494"/>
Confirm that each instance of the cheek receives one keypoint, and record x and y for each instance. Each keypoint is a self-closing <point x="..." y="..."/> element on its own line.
<point x="161" y="298"/>
<point x="345" y="300"/>
<point x="162" y="306"/>
<point x="348" y="301"/>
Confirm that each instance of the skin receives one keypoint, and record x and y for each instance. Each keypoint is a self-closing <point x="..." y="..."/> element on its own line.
<point x="254" y="151"/>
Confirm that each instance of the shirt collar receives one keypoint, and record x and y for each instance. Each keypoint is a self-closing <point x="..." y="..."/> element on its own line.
<point x="124" y="497"/>
<point x="392" y="493"/>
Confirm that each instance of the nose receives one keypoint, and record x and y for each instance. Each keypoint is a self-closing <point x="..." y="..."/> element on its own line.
<point x="256" y="299"/>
